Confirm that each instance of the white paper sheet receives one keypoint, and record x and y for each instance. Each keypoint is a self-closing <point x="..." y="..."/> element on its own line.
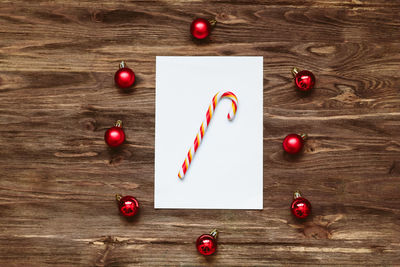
<point x="227" y="169"/>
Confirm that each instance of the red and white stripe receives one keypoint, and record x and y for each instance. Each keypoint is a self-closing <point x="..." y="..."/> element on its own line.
<point x="204" y="126"/>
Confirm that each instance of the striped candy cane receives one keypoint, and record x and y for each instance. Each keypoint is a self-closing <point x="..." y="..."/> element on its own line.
<point x="204" y="126"/>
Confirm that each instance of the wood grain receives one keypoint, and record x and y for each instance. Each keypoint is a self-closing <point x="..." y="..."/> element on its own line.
<point x="57" y="97"/>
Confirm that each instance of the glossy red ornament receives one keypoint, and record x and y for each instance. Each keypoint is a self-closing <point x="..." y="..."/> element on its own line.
<point x="201" y="28"/>
<point x="124" y="77"/>
<point x="300" y="207"/>
<point x="207" y="244"/>
<point x="115" y="136"/>
<point x="304" y="80"/>
<point x="128" y="205"/>
<point x="293" y="143"/>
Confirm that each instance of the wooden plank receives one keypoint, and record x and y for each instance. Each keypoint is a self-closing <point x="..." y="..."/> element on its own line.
<point x="57" y="97"/>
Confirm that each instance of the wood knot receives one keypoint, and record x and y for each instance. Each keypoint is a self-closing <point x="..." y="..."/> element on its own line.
<point x="394" y="168"/>
<point x="97" y="16"/>
<point x="222" y="16"/>
<point x="229" y="19"/>
<point x="323" y="50"/>
<point x="116" y="160"/>
<point x="316" y="231"/>
<point x="89" y="124"/>
<point x="318" y="228"/>
<point x="118" y="155"/>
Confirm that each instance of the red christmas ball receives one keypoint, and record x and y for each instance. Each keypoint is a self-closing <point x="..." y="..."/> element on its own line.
<point x="200" y="28"/>
<point x="124" y="77"/>
<point x="128" y="205"/>
<point x="115" y="136"/>
<point x="293" y="143"/>
<point x="300" y="207"/>
<point x="304" y="80"/>
<point x="207" y="244"/>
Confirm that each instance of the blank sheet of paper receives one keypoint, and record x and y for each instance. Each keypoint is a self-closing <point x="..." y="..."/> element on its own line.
<point x="227" y="170"/>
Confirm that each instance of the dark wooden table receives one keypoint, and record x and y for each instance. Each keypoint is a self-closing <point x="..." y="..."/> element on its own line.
<point x="57" y="98"/>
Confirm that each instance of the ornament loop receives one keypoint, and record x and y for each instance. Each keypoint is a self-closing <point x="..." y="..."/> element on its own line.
<point x="122" y="64"/>
<point x="118" y="197"/>
<point x="118" y="123"/>
<point x="303" y="136"/>
<point x="296" y="194"/>
<point x="212" y="22"/>
<point x="295" y="71"/>
<point x="214" y="233"/>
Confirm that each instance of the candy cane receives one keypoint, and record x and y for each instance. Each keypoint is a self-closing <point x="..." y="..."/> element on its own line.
<point x="204" y="126"/>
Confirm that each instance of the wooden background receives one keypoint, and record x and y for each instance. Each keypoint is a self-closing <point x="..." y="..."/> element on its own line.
<point x="57" y="98"/>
